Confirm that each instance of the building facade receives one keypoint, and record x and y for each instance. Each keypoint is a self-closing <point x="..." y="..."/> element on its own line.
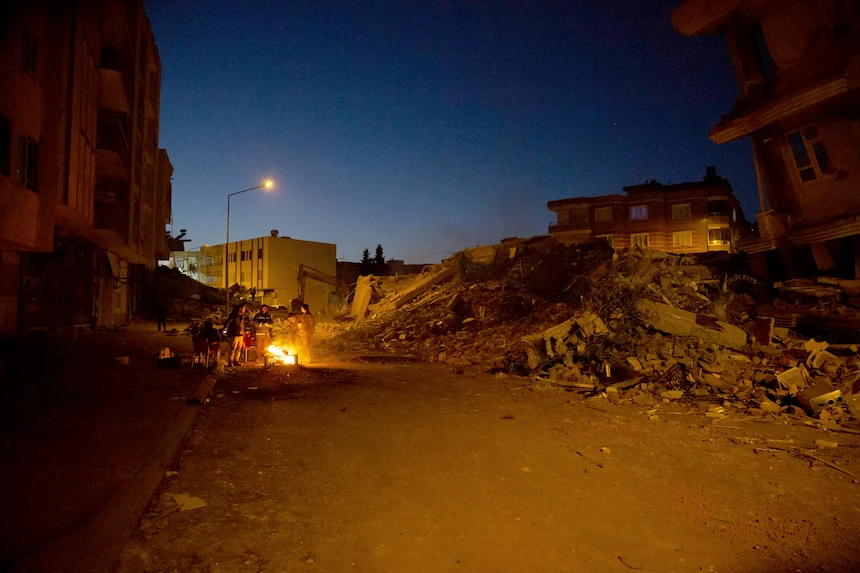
<point x="797" y="64"/>
<point x="270" y="264"/>
<point x="84" y="188"/>
<point x="693" y="217"/>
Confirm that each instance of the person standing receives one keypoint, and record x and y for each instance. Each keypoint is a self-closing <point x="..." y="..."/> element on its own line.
<point x="253" y="293"/>
<point x="161" y="315"/>
<point x="235" y="333"/>
<point x="306" y="326"/>
<point x="262" y="330"/>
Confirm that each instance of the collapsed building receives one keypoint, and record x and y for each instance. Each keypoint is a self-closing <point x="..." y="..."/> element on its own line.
<point x="637" y="325"/>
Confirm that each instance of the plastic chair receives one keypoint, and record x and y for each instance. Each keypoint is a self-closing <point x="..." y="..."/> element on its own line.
<point x="247" y="345"/>
<point x="204" y="350"/>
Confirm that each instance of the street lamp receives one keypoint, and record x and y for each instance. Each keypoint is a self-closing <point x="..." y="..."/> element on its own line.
<point x="265" y="185"/>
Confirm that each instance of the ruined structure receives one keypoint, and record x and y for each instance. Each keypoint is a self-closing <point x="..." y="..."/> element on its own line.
<point x="694" y="217"/>
<point x="798" y="72"/>
<point x="85" y="190"/>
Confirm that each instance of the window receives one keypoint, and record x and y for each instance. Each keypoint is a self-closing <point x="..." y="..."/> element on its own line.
<point x="579" y="216"/>
<point x="603" y="215"/>
<point x="27" y="163"/>
<point x="232" y="257"/>
<point x="210" y="280"/>
<point x="639" y="240"/>
<point x="29" y="53"/>
<point x="5" y="145"/>
<point x="681" y="211"/>
<point x="719" y="236"/>
<point x="260" y="253"/>
<point x="208" y="261"/>
<point x="639" y="213"/>
<point x="682" y="239"/>
<point x="242" y="256"/>
<point x="719" y="207"/>
<point x="608" y="239"/>
<point x="810" y="154"/>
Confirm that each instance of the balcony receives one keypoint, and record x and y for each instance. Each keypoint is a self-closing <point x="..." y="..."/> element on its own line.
<point x="113" y="216"/>
<point x="113" y="92"/>
<point x="113" y="156"/>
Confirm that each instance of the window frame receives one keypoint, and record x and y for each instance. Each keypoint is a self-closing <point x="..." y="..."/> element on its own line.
<point x="27" y="163"/>
<point x="635" y="243"/>
<point x="604" y="210"/>
<point x="682" y="234"/>
<point x="581" y="220"/>
<point x="5" y="146"/>
<point x="811" y="153"/>
<point x="721" y="241"/>
<point x="634" y="210"/>
<point x="610" y="238"/>
<point x="689" y="211"/>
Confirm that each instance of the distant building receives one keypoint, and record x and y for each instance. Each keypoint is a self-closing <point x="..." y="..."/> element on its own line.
<point x="270" y="264"/>
<point x="797" y="64"/>
<point x="348" y="272"/>
<point x="84" y="189"/>
<point x="691" y="217"/>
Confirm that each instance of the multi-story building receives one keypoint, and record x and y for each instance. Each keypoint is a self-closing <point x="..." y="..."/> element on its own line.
<point x="271" y="265"/>
<point x="84" y="188"/>
<point x="797" y="64"/>
<point x="693" y="217"/>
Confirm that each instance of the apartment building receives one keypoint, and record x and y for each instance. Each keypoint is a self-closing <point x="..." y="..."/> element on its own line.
<point x="84" y="188"/>
<point x="693" y="217"/>
<point x="270" y="264"/>
<point x="797" y="64"/>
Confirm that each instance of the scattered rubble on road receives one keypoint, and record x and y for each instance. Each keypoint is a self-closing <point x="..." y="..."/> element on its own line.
<point x="636" y="326"/>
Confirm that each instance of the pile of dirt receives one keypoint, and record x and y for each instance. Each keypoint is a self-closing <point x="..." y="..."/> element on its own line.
<point x="644" y="326"/>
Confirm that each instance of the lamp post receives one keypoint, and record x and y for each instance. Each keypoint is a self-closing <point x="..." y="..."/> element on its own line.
<point x="265" y="184"/>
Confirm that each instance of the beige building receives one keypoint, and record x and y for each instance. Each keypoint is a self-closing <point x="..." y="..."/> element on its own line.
<point x="84" y="188"/>
<point x="797" y="64"/>
<point x="271" y="264"/>
<point x="694" y="217"/>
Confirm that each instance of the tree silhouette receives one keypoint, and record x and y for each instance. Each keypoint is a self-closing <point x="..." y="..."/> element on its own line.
<point x="379" y="259"/>
<point x="365" y="256"/>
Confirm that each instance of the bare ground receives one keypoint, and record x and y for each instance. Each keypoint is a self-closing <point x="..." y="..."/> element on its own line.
<point x="389" y="466"/>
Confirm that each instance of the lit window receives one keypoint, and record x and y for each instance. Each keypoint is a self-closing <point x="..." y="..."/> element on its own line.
<point x="608" y="239"/>
<point x="810" y="154"/>
<point x="639" y="240"/>
<point x="210" y="280"/>
<point x="681" y="211"/>
<point x="603" y="215"/>
<point x="639" y="213"/>
<point x="719" y="236"/>
<point x="208" y="261"/>
<point x="682" y="239"/>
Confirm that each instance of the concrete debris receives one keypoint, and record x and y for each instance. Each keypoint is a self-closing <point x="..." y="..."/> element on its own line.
<point x="635" y="326"/>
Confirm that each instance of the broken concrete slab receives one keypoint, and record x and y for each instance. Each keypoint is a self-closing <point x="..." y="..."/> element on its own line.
<point x="683" y="323"/>
<point x="361" y="298"/>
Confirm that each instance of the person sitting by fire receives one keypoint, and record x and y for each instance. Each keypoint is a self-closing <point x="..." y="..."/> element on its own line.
<point x="262" y="330"/>
<point x="235" y="333"/>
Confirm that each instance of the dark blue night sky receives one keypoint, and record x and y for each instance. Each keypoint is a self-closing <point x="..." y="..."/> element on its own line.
<point x="430" y="127"/>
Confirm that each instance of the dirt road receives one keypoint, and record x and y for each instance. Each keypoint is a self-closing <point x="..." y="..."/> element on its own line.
<point x="369" y="467"/>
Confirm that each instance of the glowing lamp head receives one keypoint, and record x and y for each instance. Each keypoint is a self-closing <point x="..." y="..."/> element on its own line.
<point x="268" y="183"/>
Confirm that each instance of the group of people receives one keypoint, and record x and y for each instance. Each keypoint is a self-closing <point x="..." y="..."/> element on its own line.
<point x="262" y="323"/>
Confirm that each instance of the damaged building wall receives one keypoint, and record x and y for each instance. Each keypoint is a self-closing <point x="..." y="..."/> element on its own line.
<point x="798" y="74"/>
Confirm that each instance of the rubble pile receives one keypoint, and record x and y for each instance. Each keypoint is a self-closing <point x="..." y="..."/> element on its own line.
<point x="642" y="326"/>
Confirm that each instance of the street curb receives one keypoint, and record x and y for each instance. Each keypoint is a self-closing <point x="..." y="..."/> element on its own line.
<point x="132" y="558"/>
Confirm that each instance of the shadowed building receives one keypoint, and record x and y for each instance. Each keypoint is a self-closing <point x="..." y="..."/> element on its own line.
<point x="84" y="188"/>
<point x="798" y="72"/>
<point x="693" y="217"/>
